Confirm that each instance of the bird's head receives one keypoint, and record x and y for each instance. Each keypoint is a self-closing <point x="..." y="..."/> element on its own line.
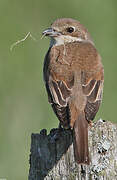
<point x="66" y="30"/>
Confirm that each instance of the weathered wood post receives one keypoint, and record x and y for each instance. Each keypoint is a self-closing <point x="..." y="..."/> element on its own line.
<point x="54" y="160"/>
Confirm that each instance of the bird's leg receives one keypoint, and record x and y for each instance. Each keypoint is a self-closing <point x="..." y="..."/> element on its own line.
<point x="60" y="127"/>
<point x="56" y="133"/>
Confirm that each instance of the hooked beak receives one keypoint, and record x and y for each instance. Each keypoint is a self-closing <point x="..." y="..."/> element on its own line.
<point x="51" y="32"/>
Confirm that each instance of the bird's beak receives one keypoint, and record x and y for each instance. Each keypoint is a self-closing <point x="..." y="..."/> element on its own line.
<point x="51" y="32"/>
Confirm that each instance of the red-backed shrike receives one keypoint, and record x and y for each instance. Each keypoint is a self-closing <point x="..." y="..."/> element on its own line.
<point x="74" y="77"/>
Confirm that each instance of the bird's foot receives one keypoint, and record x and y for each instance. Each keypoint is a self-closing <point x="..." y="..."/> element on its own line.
<point x="64" y="126"/>
<point x="55" y="134"/>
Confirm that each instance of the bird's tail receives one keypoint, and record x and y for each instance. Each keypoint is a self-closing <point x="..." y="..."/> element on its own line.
<point x="80" y="140"/>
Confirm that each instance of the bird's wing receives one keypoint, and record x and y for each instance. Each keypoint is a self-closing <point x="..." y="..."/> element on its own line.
<point x="59" y="92"/>
<point x="93" y="88"/>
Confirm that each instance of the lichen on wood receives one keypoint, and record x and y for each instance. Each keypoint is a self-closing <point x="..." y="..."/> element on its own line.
<point x="52" y="156"/>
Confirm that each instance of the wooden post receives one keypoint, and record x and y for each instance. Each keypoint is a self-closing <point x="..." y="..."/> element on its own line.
<point x="52" y="158"/>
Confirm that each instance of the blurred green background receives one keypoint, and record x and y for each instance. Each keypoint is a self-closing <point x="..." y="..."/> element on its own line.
<point x="23" y="101"/>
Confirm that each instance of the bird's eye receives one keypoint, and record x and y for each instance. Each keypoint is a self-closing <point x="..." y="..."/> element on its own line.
<point x="70" y="29"/>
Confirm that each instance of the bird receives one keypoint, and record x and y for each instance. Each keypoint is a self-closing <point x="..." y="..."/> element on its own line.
<point x="74" y="77"/>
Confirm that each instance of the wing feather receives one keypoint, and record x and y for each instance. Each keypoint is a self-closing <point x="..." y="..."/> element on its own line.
<point x="60" y="96"/>
<point x="93" y="90"/>
<point x="60" y="92"/>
